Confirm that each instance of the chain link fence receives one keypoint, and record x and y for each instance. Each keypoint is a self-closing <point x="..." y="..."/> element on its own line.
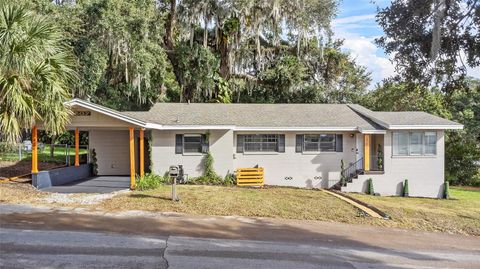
<point x="50" y="153"/>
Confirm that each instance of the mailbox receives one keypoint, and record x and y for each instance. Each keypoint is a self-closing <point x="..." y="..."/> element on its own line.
<point x="173" y="171"/>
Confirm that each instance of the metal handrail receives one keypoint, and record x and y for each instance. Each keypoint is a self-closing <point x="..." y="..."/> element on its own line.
<point x="351" y="171"/>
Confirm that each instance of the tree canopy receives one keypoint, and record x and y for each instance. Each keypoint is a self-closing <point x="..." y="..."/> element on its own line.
<point x="36" y="72"/>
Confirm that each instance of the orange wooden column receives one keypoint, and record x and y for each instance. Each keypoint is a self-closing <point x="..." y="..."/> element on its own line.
<point x="142" y="157"/>
<point x="366" y="152"/>
<point x="34" y="150"/>
<point x="132" y="158"/>
<point x="77" y="147"/>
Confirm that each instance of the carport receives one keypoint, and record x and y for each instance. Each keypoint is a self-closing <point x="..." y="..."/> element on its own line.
<point x="112" y="137"/>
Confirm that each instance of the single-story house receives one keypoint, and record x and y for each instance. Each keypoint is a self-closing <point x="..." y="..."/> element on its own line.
<point x="300" y="145"/>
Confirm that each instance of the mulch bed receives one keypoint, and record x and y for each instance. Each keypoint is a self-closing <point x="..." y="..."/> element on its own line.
<point x="19" y="168"/>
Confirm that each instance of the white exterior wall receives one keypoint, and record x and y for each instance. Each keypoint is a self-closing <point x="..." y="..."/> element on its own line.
<point x="112" y="148"/>
<point x="306" y="169"/>
<point x="425" y="174"/>
<point x="163" y="152"/>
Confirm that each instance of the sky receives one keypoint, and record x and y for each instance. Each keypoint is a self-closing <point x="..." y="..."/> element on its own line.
<point x="356" y="24"/>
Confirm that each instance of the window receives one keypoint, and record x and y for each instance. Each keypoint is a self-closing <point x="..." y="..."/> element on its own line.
<point x="430" y="143"/>
<point x="414" y="143"/>
<point x="192" y="143"/>
<point x="319" y="142"/>
<point x="260" y="143"/>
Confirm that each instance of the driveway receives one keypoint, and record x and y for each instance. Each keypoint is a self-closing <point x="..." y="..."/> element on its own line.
<point x="70" y="238"/>
<point x="99" y="184"/>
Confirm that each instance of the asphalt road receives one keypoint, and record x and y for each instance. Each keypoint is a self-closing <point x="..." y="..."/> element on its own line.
<point x="65" y="238"/>
<point x="66" y="249"/>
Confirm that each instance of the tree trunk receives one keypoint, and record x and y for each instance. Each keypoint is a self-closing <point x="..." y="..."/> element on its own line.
<point x="52" y="147"/>
<point x="168" y="42"/>
<point x="224" y="56"/>
<point x="205" y="32"/>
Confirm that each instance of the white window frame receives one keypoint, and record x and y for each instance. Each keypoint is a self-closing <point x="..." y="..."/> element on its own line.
<point x="319" y="143"/>
<point x="409" y="145"/>
<point x="184" y="143"/>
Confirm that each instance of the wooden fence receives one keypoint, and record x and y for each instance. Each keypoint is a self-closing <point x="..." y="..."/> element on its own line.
<point x="250" y="177"/>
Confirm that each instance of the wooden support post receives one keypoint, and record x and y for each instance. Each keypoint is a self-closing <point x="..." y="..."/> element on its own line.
<point x="132" y="158"/>
<point x="77" y="147"/>
<point x="142" y="157"/>
<point x="366" y="152"/>
<point x="34" y="150"/>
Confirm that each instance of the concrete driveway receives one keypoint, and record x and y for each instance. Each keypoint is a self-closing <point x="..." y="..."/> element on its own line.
<point x="99" y="184"/>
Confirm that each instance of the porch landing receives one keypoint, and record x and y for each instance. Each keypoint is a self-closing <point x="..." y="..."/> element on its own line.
<point x="98" y="184"/>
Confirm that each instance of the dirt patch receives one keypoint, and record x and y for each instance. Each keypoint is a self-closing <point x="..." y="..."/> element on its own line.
<point x="19" y="193"/>
<point x="469" y="188"/>
<point x="18" y="168"/>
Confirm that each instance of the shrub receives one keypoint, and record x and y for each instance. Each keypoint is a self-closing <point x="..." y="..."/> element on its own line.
<point x="446" y="190"/>
<point x="93" y="160"/>
<point x="230" y="179"/>
<point x="406" y="191"/>
<point x="371" y="191"/>
<point x="209" y="176"/>
<point x="149" y="181"/>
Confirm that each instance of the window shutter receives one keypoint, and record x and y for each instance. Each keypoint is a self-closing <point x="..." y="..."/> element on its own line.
<point x="178" y="144"/>
<point x="240" y="140"/>
<point x="281" y="143"/>
<point x="299" y="143"/>
<point x="339" y="143"/>
<point x="205" y="144"/>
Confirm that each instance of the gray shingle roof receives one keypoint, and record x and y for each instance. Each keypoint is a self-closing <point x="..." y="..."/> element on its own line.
<point x="255" y="115"/>
<point x="407" y="118"/>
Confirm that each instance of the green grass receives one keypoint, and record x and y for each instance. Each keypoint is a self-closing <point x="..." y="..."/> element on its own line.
<point x="59" y="154"/>
<point x="217" y="200"/>
<point x="461" y="214"/>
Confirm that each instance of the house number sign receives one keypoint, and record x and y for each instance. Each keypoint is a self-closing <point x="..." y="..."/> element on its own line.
<point x="82" y="113"/>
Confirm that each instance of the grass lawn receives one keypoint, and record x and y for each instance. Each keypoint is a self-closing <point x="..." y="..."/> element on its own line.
<point x="214" y="200"/>
<point x="461" y="214"/>
<point x="44" y="155"/>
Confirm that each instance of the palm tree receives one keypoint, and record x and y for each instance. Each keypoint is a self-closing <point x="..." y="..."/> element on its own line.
<point x="36" y="69"/>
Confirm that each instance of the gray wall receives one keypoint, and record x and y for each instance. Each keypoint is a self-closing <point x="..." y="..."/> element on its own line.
<point x="305" y="169"/>
<point x="113" y="151"/>
<point x="163" y="152"/>
<point x="425" y="174"/>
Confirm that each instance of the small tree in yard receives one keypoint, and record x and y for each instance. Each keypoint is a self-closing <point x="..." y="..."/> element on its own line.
<point x="343" y="180"/>
<point x="447" y="190"/>
<point x="371" y="191"/>
<point x="406" y="191"/>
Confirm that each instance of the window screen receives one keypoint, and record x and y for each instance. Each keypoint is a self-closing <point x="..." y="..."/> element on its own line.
<point x="319" y="142"/>
<point x="430" y="143"/>
<point x="192" y="143"/>
<point x="260" y="143"/>
<point x="400" y="143"/>
<point x="414" y="143"/>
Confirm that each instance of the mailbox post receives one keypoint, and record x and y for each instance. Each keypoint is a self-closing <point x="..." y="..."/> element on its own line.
<point x="173" y="172"/>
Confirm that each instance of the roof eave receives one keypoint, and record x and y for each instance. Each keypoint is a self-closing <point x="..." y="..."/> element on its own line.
<point x="426" y="127"/>
<point x="104" y="111"/>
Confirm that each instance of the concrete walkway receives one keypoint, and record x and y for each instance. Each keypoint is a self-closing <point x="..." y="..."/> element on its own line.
<point x="99" y="184"/>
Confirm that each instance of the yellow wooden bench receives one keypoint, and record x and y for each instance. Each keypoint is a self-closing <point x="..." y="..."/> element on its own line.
<point x="250" y="177"/>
